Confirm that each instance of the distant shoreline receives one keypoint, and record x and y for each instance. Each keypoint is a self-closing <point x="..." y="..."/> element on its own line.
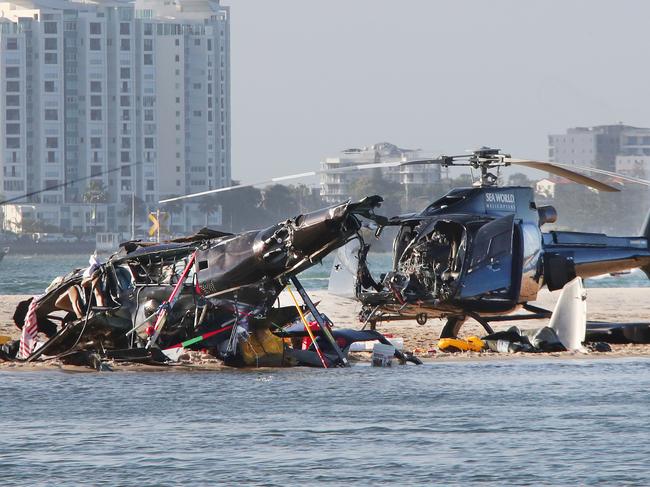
<point x="28" y="247"/>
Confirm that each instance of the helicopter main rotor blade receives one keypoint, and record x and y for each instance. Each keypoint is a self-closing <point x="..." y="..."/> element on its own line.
<point x="66" y="183"/>
<point x="561" y="170"/>
<point x="612" y="174"/>
<point x="358" y="167"/>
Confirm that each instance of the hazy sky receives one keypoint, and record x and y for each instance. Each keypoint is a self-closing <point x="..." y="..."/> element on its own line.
<point x="310" y="78"/>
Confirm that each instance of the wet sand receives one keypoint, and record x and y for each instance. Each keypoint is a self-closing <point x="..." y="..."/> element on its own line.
<point x="605" y="304"/>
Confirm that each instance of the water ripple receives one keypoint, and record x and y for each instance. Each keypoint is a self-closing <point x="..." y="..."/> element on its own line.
<point x="516" y="422"/>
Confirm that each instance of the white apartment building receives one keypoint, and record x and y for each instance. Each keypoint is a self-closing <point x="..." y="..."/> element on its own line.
<point x="636" y="166"/>
<point x="599" y="146"/>
<point x="338" y="186"/>
<point x="134" y="95"/>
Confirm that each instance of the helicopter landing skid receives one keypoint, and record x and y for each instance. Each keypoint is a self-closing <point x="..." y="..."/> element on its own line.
<point x="454" y="323"/>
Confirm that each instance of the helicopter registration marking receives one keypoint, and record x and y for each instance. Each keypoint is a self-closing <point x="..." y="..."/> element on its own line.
<point x="500" y="201"/>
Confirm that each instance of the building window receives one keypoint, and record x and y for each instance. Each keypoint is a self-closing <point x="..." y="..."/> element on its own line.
<point x="177" y="42"/>
<point x="12" y="114"/>
<point x="52" y="142"/>
<point x="148" y="142"/>
<point x="197" y="86"/>
<point x="49" y="87"/>
<point x="95" y="44"/>
<point x="12" y="72"/>
<point x="125" y="44"/>
<point x="51" y="114"/>
<point x="51" y="156"/>
<point x="197" y="41"/>
<point x="96" y="101"/>
<point x="13" y="86"/>
<point x="125" y="101"/>
<point x="126" y="115"/>
<point x="95" y="143"/>
<point x="177" y="58"/>
<point x="13" y="129"/>
<point x="148" y="115"/>
<point x="125" y="28"/>
<point x="12" y="43"/>
<point x="50" y="58"/>
<point x="95" y="28"/>
<point x="50" y="44"/>
<point x="148" y="29"/>
<point x="96" y="115"/>
<point x="95" y="86"/>
<point x="148" y="44"/>
<point x="49" y="27"/>
<point x="148" y="59"/>
<point x="125" y="73"/>
<point x="126" y="143"/>
<point x="125" y="156"/>
<point x="13" y="143"/>
<point x="197" y="113"/>
<point x="149" y="185"/>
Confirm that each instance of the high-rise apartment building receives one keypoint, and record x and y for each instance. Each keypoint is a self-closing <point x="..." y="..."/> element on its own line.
<point x="134" y="95"/>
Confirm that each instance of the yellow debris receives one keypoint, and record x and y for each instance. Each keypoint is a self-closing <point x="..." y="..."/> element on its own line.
<point x="262" y="349"/>
<point x="451" y="345"/>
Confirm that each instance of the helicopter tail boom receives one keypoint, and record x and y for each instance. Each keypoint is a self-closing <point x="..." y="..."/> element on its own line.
<point x="571" y="254"/>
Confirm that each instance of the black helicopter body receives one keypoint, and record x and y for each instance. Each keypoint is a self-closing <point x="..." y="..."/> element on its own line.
<point x="480" y="252"/>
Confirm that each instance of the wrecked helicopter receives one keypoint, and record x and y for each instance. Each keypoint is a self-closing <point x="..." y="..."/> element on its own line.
<point x="479" y="252"/>
<point x="213" y="291"/>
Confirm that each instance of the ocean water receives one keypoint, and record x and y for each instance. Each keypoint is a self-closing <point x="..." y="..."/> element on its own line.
<point x="514" y="422"/>
<point x="21" y="274"/>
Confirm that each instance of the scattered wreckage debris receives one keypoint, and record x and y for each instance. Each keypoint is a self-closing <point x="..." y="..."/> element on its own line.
<point x="566" y="330"/>
<point x="212" y="291"/>
<point x="514" y="340"/>
<point x="618" y="332"/>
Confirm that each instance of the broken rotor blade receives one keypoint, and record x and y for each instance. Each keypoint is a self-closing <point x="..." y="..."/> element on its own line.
<point x="562" y="170"/>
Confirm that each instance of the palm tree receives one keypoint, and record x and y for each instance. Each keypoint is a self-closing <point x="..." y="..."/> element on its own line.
<point x="95" y="193"/>
<point x="208" y="205"/>
<point x="173" y="207"/>
<point x="279" y="200"/>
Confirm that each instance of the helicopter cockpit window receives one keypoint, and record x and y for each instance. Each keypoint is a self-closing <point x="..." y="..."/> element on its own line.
<point x="488" y="249"/>
<point x="499" y="245"/>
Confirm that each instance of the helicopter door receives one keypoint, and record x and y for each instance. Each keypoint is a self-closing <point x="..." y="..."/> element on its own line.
<point x="488" y="271"/>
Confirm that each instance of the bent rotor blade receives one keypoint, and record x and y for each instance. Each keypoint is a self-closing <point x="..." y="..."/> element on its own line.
<point x="561" y="170"/>
<point x="358" y="167"/>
